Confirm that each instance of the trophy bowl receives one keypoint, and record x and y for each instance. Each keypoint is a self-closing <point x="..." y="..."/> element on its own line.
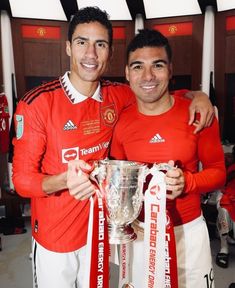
<point x="121" y="184"/>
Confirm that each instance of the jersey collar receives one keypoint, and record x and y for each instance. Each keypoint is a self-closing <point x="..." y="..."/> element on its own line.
<point x="73" y="95"/>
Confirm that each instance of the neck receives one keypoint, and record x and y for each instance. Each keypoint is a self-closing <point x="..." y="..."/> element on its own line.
<point x="86" y="88"/>
<point x="156" y="108"/>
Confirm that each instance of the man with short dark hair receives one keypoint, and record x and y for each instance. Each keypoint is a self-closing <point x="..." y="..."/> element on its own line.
<point x="155" y="130"/>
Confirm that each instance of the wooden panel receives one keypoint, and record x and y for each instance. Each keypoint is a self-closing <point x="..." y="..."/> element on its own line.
<point x="229" y="131"/>
<point x="182" y="55"/>
<point x="39" y="57"/>
<point x="197" y="43"/>
<point x="224" y="63"/>
<point x="117" y="63"/>
<point x="37" y="63"/>
<point x="230" y="54"/>
<point x="116" y="67"/>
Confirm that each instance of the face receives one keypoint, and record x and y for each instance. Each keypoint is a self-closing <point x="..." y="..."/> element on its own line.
<point x="148" y="72"/>
<point x="89" y="52"/>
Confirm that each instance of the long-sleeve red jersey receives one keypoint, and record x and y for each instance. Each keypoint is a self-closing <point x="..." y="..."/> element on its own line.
<point x="53" y="128"/>
<point x="157" y="139"/>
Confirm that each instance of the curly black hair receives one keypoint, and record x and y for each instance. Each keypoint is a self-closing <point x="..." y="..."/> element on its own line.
<point x="91" y="14"/>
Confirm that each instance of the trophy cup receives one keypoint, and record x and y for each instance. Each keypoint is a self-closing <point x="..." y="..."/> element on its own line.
<point x="121" y="184"/>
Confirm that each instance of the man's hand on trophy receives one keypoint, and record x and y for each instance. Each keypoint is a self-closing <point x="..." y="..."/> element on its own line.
<point x="78" y="182"/>
<point x="174" y="181"/>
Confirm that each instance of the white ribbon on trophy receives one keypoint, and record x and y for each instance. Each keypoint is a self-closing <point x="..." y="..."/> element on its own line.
<point x="153" y="265"/>
<point x="154" y="231"/>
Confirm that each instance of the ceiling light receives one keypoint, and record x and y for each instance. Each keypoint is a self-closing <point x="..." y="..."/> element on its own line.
<point x="43" y="9"/>
<point x="169" y="8"/>
<point x="223" y="5"/>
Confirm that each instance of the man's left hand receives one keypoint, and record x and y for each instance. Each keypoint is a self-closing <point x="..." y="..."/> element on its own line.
<point x="174" y="183"/>
<point x="200" y="104"/>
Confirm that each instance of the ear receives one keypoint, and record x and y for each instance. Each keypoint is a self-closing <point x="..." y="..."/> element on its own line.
<point x="68" y="48"/>
<point x="127" y="73"/>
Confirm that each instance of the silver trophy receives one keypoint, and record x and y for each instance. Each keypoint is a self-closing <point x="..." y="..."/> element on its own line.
<point x="121" y="184"/>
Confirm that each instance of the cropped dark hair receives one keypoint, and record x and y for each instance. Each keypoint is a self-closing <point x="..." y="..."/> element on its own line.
<point x="149" y="38"/>
<point x="91" y="14"/>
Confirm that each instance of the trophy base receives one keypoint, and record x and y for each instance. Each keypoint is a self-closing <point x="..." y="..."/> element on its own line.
<point x="121" y="234"/>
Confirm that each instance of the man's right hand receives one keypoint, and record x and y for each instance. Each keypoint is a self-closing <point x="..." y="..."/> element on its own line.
<point x="78" y="182"/>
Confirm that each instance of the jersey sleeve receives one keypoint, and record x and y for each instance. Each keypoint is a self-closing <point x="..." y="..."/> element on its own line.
<point x="125" y="97"/>
<point x="29" y="147"/>
<point x="211" y="155"/>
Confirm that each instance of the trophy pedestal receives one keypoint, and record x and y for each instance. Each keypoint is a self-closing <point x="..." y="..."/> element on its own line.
<point x="121" y="234"/>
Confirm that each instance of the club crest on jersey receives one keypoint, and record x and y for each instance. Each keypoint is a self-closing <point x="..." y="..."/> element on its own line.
<point x="19" y="126"/>
<point x="109" y="115"/>
<point x="70" y="154"/>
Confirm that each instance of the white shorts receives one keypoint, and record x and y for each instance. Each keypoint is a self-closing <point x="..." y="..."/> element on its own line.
<point x="194" y="262"/>
<point x="194" y="255"/>
<point x="57" y="270"/>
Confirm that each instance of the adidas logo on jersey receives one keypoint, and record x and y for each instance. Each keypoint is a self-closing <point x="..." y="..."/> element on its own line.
<point x="69" y="126"/>
<point x="157" y="139"/>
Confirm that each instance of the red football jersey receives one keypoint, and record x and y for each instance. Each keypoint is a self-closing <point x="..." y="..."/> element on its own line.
<point x="53" y="128"/>
<point x="158" y="139"/>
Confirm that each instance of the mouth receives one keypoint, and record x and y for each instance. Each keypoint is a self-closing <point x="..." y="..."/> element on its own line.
<point x="148" y="87"/>
<point x="89" y="66"/>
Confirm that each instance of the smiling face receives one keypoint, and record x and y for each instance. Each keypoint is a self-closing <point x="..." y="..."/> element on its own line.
<point x="89" y="53"/>
<point x="148" y="72"/>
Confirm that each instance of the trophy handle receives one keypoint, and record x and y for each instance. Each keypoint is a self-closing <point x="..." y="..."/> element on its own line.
<point x="94" y="178"/>
<point x="160" y="167"/>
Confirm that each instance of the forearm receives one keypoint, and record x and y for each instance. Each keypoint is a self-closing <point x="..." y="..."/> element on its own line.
<point x="211" y="155"/>
<point x="192" y="94"/>
<point x="54" y="183"/>
<point x="204" y="181"/>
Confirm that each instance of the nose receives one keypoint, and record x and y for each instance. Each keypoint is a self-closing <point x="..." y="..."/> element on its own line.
<point x="148" y="74"/>
<point x="91" y="51"/>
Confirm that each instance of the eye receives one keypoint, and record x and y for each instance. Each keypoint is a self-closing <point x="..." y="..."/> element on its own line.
<point x="136" y="67"/>
<point x="81" y="42"/>
<point x="102" y="44"/>
<point x="160" y="65"/>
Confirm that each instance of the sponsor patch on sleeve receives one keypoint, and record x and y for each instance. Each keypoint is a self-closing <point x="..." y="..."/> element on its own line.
<point x="19" y="126"/>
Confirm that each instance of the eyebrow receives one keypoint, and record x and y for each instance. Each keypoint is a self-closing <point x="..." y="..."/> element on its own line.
<point x="141" y="62"/>
<point x="87" y="39"/>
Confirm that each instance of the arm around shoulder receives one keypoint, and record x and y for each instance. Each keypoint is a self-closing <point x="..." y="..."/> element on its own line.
<point x="200" y="104"/>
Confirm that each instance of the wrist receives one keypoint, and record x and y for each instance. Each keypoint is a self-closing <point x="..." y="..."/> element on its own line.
<point x="55" y="183"/>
